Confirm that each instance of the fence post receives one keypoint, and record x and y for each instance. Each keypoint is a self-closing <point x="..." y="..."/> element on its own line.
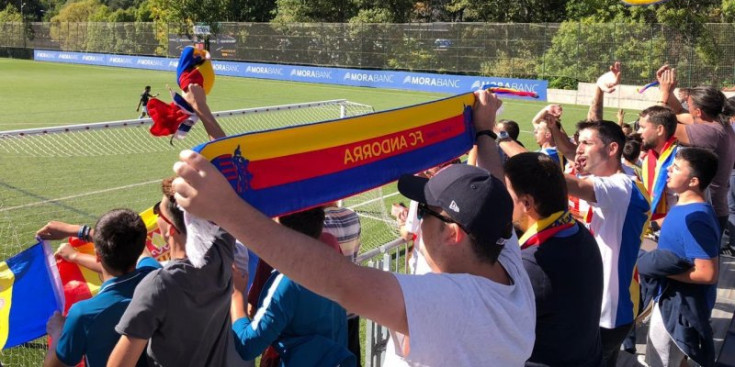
<point x="543" y="51"/>
<point x="691" y="54"/>
<point x="651" y="56"/>
<point x="579" y="36"/>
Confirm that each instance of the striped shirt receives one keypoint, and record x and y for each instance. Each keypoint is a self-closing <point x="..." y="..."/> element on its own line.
<point x="344" y="224"/>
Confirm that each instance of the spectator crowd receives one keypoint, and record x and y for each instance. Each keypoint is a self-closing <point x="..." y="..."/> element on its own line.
<point x="519" y="256"/>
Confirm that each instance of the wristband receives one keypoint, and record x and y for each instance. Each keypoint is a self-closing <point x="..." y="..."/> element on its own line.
<point x="489" y="133"/>
<point x="83" y="233"/>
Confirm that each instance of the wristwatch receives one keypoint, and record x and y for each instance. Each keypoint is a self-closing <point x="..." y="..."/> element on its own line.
<point x="503" y="136"/>
<point x="489" y="133"/>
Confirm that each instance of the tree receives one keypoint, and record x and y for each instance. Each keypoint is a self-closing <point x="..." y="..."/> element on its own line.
<point x="328" y="11"/>
<point x="82" y="11"/>
<point x="10" y="14"/>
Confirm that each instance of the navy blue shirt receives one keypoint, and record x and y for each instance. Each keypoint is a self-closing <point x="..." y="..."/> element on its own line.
<point x="566" y="276"/>
<point x="89" y="330"/>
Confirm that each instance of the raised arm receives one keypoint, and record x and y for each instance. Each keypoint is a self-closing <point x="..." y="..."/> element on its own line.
<point x="667" y="81"/>
<point x="562" y="141"/>
<point x="595" y="111"/>
<point x="554" y="110"/>
<point x="372" y="293"/>
<point x="486" y="106"/>
<point x="198" y="100"/>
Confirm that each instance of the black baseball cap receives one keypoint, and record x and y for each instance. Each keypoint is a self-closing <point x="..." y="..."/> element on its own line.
<point x="470" y="195"/>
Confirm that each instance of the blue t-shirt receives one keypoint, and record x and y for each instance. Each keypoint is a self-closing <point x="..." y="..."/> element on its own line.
<point x="288" y="315"/>
<point x="691" y="232"/>
<point x="89" y="330"/>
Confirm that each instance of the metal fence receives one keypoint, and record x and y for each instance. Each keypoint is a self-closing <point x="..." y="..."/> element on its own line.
<point x="564" y="53"/>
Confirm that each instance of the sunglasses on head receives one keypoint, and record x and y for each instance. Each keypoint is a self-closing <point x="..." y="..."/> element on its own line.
<point x="157" y="211"/>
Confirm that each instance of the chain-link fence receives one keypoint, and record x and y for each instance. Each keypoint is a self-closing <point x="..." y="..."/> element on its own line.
<point x="564" y="53"/>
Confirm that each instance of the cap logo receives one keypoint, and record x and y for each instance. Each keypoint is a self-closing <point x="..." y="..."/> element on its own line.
<point x="453" y="205"/>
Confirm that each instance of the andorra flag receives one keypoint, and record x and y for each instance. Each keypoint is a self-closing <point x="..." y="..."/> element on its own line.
<point x="30" y="292"/>
<point x="285" y="170"/>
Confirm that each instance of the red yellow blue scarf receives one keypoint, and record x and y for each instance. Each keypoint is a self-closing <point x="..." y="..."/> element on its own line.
<point x="546" y="228"/>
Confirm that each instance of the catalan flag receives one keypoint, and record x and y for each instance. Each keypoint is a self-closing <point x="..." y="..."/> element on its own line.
<point x="285" y="170"/>
<point x="30" y="292"/>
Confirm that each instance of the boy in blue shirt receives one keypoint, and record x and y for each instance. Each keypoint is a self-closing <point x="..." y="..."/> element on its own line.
<point x="685" y="266"/>
<point x="88" y="331"/>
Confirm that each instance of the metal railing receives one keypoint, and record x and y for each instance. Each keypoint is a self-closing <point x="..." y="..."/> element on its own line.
<point x="387" y="257"/>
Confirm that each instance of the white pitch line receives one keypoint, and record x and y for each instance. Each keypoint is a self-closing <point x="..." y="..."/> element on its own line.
<point x="372" y="200"/>
<point x="78" y="196"/>
<point x="376" y="218"/>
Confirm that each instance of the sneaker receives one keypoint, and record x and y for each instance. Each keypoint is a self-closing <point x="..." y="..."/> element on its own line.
<point x="727" y="252"/>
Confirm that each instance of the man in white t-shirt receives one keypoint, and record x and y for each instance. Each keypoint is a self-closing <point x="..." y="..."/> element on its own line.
<point x="478" y="310"/>
<point x="620" y="210"/>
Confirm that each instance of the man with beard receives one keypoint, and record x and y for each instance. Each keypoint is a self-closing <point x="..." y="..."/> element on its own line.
<point x="657" y="129"/>
<point x="562" y="261"/>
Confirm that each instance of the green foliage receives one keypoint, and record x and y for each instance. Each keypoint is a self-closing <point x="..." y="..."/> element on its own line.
<point x="521" y="65"/>
<point x="728" y="11"/>
<point x="82" y="11"/>
<point x="300" y="11"/>
<point x="251" y="10"/>
<point x="593" y="47"/>
<point x="10" y="14"/>
<point x="189" y="11"/>
<point x="372" y="16"/>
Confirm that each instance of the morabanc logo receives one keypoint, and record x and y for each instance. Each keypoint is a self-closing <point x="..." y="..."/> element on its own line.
<point x="66" y="56"/>
<point x="224" y="67"/>
<point x="431" y="81"/>
<point x="264" y="70"/>
<point x="369" y="77"/>
<point x="313" y="74"/>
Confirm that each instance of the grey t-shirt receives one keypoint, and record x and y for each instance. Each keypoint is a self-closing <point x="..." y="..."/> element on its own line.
<point x="721" y="141"/>
<point x="185" y="311"/>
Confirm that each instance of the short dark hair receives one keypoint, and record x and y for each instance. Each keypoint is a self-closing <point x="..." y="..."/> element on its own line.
<point x="632" y="148"/>
<point x="661" y="116"/>
<point x="309" y="222"/>
<point x="708" y="99"/>
<point x="537" y="175"/>
<point x="177" y="215"/>
<point x="512" y="128"/>
<point x="147" y="87"/>
<point x="119" y="238"/>
<point x="702" y="162"/>
<point x="608" y="131"/>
